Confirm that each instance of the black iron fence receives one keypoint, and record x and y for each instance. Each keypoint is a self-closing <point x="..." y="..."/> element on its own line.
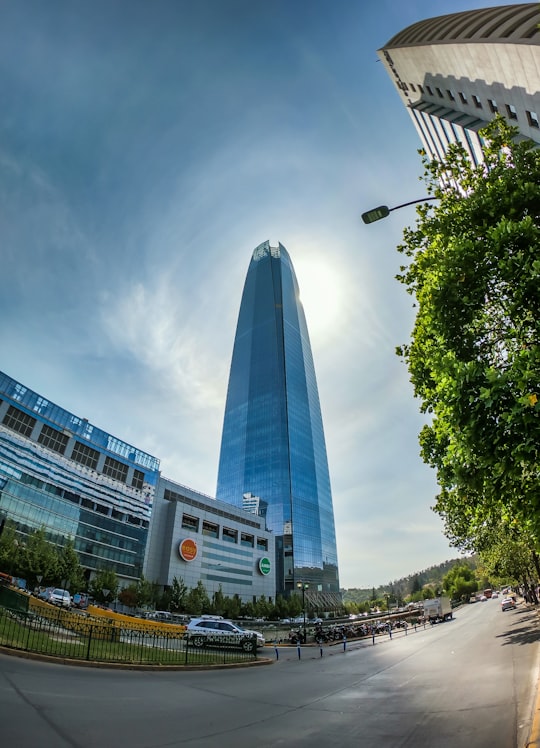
<point x="80" y="637"/>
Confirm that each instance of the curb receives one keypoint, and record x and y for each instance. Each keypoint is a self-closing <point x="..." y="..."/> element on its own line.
<point x="534" y="733"/>
<point x="129" y="666"/>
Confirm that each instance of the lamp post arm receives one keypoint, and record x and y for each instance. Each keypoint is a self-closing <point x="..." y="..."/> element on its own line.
<point x="413" y="202"/>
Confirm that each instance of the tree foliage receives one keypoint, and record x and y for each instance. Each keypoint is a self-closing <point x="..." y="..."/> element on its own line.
<point x="474" y="356"/>
<point x="460" y="582"/>
<point x="104" y="586"/>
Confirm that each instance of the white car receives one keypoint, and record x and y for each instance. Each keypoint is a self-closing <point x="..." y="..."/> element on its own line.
<point x="59" y="597"/>
<point x="508" y="603"/>
<point x="204" y="632"/>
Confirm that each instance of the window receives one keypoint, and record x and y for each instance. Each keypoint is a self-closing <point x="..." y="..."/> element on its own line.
<point x="532" y="119"/>
<point x="451" y="95"/>
<point x="462" y="97"/>
<point x="477" y="102"/>
<point x="229" y="536"/>
<point x="210" y="529"/>
<point x="41" y="405"/>
<point x="53" y="439"/>
<point x="511" y="111"/>
<point x="429" y="90"/>
<point x="421" y="88"/>
<point x="190" y="523"/>
<point x="18" y="392"/>
<point x="85" y="455"/>
<point x="413" y="87"/>
<point x="115" y="469"/>
<point x="226" y="627"/>
<point x="493" y="105"/>
<point x="18" y="421"/>
<point x="262" y="544"/>
<point x="439" y="93"/>
<point x="247" y="540"/>
<point x="138" y="479"/>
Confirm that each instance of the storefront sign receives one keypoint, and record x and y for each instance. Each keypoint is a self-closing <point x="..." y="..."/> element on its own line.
<point x="188" y="549"/>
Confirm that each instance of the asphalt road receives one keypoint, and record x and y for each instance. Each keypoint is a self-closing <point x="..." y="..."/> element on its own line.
<point x="468" y="683"/>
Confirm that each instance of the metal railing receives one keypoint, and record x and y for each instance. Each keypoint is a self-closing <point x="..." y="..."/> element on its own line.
<point x="81" y="638"/>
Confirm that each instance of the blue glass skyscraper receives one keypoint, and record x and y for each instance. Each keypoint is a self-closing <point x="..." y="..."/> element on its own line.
<point x="273" y="444"/>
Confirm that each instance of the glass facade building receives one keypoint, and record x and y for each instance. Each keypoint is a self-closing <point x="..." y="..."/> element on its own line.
<point x="61" y="473"/>
<point x="273" y="444"/>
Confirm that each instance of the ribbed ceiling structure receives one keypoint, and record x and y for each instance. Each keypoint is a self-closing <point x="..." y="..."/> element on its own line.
<point x="506" y="23"/>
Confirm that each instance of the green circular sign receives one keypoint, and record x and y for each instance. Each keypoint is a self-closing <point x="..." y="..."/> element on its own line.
<point x="265" y="565"/>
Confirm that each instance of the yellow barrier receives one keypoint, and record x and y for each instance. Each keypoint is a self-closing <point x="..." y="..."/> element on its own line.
<point x="104" y="623"/>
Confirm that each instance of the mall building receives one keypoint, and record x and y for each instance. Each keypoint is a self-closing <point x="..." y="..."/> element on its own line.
<point x="61" y="473"/>
<point x="194" y="537"/>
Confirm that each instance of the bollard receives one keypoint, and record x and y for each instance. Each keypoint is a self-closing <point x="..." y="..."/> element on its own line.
<point x="344" y="643"/>
<point x="299" y="652"/>
<point x="373" y="635"/>
<point x="390" y="631"/>
<point x="277" y="652"/>
<point x="320" y="649"/>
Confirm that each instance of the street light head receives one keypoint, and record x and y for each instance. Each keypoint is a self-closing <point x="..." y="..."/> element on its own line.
<point x="376" y="214"/>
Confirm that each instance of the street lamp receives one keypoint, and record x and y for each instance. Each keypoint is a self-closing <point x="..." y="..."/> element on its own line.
<point x="303" y="587"/>
<point x="383" y="211"/>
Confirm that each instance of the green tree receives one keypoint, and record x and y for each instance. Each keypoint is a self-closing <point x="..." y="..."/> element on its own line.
<point x="460" y="582"/>
<point x="39" y="557"/>
<point x="233" y="606"/>
<point x="11" y="561"/>
<point x="128" y="596"/>
<point x="218" y="602"/>
<point x="197" y="600"/>
<point x="104" y="586"/>
<point x="178" y="595"/>
<point x="474" y="357"/>
<point x="70" y="571"/>
<point x="147" y="593"/>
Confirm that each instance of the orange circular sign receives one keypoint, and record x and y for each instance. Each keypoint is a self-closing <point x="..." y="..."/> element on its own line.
<point x="188" y="549"/>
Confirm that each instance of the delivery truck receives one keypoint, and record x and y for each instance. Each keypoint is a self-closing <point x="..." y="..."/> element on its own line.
<point x="438" y="609"/>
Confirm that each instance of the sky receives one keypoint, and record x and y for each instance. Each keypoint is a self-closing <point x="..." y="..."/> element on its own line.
<point x="146" y="148"/>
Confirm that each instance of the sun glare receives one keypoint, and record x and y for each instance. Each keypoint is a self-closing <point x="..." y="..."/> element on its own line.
<point x="320" y="294"/>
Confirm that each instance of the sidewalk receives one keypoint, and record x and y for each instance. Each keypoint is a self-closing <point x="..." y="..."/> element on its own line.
<point x="534" y="736"/>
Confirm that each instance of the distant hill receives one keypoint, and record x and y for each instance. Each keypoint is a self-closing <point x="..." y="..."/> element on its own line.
<point x="403" y="587"/>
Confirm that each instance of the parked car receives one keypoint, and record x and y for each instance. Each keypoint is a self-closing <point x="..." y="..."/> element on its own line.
<point x="508" y="603"/>
<point x="60" y="597"/>
<point x="80" y="600"/>
<point x="44" y="594"/>
<point x="204" y="632"/>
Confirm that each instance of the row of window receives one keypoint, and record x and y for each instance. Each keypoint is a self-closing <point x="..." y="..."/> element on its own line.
<point x="36" y="404"/>
<point x="75" y="498"/>
<point x="51" y="438"/>
<point x="509" y="109"/>
<point x="228" y="534"/>
<point x="173" y="496"/>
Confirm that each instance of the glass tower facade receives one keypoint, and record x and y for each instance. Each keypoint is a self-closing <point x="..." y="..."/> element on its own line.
<point x="273" y="444"/>
<point x="63" y="474"/>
